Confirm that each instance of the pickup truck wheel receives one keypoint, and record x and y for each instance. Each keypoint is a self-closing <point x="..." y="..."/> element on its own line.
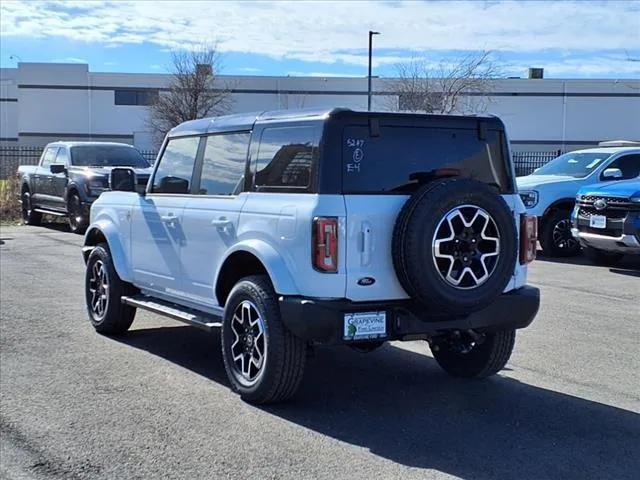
<point x="556" y="239"/>
<point x="77" y="221"/>
<point x="264" y="361"/>
<point x="29" y="216"/>
<point x="103" y="293"/>
<point x="464" y="356"/>
<point x="600" y="257"/>
<point x="455" y="246"/>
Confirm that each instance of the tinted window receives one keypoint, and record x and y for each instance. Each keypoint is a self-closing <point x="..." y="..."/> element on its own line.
<point x="399" y="157"/>
<point x="287" y="157"/>
<point x="629" y="165"/>
<point x="49" y="156"/>
<point x="62" y="156"/>
<point x="573" y="164"/>
<point x="107" y="156"/>
<point x="224" y="163"/>
<point x="175" y="171"/>
<point x="135" y="97"/>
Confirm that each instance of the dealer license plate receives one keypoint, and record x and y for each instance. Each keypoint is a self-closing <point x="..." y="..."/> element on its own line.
<point x="364" y="325"/>
<point x="598" y="221"/>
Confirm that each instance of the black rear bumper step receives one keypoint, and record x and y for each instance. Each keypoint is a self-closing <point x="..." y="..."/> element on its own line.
<point x="322" y="321"/>
<point x="187" y="315"/>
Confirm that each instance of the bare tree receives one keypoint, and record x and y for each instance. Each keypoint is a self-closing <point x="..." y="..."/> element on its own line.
<point x="443" y="88"/>
<point x="194" y="91"/>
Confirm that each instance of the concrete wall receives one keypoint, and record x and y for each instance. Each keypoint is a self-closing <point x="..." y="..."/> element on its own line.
<point x="44" y="102"/>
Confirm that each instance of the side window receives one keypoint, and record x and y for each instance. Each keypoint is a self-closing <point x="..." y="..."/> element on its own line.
<point x="49" y="156"/>
<point x="175" y="171"/>
<point x="629" y="165"/>
<point x="224" y="163"/>
<point x="62" y="156"/>
<point x="287" y="157"/>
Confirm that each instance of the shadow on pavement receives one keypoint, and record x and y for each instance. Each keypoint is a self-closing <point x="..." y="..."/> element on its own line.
<point x="399" y="405"/>
<point x="628" y="263"/>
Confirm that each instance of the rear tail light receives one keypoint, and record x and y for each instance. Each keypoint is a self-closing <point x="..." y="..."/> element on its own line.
<point x="528" y="238"/>
<point x="325" y="244"/>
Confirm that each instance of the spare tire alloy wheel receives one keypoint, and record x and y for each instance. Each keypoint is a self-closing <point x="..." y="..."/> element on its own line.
<point x="466" y="246"/>
<point x="249" y="345"/>
<point x="455" y="246"/>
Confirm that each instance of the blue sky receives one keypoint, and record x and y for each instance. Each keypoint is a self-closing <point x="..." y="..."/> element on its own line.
<point x="599" y="39"/>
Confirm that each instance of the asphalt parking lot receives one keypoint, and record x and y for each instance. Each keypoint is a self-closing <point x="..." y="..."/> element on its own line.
<point x="155" y="403"/>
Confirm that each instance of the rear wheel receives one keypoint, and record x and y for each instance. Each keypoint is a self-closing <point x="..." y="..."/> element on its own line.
<point x="600" y="257"/>
<point x="103" y="293"/>
<point x="264" y="361"/>
<point x="29" y="216"/>
<point x="462" y="355"/>
<point x="77" y="219"/>
<point x="556" y="239"/>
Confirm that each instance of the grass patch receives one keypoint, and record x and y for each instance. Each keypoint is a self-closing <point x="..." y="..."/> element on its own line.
<point x="9" y="205"/>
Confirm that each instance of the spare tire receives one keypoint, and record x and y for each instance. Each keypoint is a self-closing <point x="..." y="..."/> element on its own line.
<point x="455" y="246"/>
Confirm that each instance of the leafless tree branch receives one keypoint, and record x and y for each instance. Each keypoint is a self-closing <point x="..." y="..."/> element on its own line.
<point x="443" y="88"/>
<point x="195" y="91"/>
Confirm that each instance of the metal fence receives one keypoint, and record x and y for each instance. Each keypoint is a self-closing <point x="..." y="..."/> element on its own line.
<point x="11" y="157"/>
<point x="527" y="162"/>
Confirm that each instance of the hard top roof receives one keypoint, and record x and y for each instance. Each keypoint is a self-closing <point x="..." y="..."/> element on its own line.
<point x="246" y="121"/>
<point x="64" y="143"/>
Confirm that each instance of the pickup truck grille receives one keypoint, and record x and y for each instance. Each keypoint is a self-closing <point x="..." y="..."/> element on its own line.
<point x="617" y="207"/>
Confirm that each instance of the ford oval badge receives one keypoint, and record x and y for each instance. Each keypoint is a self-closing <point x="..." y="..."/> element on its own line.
<point x="366" y="281"/>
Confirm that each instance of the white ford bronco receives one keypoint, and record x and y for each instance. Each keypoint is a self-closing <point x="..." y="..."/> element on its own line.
<point x="288" y="230"/>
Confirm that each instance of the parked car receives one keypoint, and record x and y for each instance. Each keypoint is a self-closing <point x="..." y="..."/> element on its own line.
<point x="606" y="220"/>
<point x="549" y="193"/>
<point x="334" y="227"/>
<point x="70" y="176"/>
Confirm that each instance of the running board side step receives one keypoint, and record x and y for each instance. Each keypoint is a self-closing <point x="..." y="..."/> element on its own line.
<point x="177" y="312"/>
<point x="50" y="212"/>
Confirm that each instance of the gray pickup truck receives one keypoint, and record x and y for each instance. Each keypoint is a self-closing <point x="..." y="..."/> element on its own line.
<point x="70" y="176"/>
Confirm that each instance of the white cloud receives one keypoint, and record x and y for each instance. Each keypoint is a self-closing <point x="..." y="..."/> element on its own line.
<point x="69" y="60"/>
<point x="331" y="32"/>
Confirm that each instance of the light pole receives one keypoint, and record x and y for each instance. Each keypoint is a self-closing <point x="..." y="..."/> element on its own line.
<point x="371" y="34"/>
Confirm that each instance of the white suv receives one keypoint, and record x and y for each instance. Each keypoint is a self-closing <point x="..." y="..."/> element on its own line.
<point x="550" y="192"/>
<point x="301" y="228"/>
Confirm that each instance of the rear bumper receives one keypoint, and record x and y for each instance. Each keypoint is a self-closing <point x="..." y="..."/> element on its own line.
<point x="322" y="321"/>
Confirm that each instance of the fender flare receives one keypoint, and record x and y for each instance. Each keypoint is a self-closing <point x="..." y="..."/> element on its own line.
<point x="73" y="185"/>
<point x="118" y="255"/>
<point x="273" y="262"/>
<point x="557" y="203"/>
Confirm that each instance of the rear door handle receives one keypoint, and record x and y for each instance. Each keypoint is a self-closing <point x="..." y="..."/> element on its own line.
<point x="169" y="219"/>
<point x="221" y="222"/>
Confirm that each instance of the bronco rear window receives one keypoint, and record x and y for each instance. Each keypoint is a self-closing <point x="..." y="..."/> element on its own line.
<point x="400" y="158"/>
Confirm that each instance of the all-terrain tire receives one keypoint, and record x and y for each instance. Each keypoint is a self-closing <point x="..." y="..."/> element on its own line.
<point x="284" y="355"/>
<point x="77" y="221"/>
<point x="600" y="257"/>
<point x="483" y="360"/>
<point x="413" y="251"/>
<point x="555" y="235"/>
<point x="108" y="315"/>
<point x="29" y="216"/>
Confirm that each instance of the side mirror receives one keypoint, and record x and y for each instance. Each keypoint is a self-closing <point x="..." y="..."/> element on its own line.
<point x="612" y="173"/>
<point x="123" y="180"/>
<point x="57" y="168"/>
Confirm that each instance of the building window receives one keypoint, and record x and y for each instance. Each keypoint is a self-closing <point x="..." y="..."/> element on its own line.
<point x="135" y="97"/>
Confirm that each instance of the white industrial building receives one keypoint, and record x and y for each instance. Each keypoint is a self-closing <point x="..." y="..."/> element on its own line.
<point x="42" y="102"/>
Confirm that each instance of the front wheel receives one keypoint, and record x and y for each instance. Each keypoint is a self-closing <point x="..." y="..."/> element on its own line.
<point x="103" y="293"/>
<point x="600" y="257"/>
<point x="263" y="360"/>
<point x="461" y="355"/>
<point x="77" y="219"/>
<point x="556" y="239"/>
